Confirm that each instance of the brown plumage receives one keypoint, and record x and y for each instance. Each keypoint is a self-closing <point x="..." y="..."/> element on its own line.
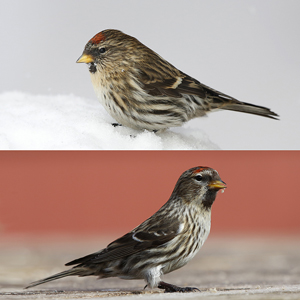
<point x="161" y="244"/>
<point x="142" y="90"/>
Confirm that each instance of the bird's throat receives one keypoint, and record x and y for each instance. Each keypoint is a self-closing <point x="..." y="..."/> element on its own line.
<point x="209" y="199"/>
<point x="92" y="68"/>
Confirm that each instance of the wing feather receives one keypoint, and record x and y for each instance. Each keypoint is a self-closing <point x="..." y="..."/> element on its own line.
<point x="133" y="242"/>
<point x="169" y="82"/>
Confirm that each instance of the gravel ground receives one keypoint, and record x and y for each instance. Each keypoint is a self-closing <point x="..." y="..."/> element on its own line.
<point x="225" y="268"/>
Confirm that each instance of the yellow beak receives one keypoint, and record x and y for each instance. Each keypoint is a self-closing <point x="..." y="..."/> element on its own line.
<point x="85" y="58"/>
<point x="217" y="184"/>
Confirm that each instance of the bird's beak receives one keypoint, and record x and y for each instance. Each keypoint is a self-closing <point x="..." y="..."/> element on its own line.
<point x="217" y="184"/>
<point x="85" y="58"/>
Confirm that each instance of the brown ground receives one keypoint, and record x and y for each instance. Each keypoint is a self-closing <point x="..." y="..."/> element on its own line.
<point x="225" y="268"/>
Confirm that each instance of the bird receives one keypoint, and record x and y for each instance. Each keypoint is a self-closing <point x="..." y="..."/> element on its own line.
<point x="143" y="91"/>
<point x="165" y="242"/>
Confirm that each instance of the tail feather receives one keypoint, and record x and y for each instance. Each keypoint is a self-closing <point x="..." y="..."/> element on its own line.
<point x="251" y="109"/>
<point x="66" y="273"/>
<point x="222" y="101"/>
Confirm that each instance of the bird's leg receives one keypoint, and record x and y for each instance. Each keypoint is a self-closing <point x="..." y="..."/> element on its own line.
<point x="171" y="288"/>
<point x="116" y="124"/>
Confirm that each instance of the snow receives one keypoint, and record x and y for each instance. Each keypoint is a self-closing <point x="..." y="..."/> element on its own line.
<point x="43" y="122"/>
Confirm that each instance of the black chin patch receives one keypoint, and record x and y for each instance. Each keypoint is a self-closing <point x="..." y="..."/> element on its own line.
<point x="92" y="68"/>
<point x="210" y="198"/>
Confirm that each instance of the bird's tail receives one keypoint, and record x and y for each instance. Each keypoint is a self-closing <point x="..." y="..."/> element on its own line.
<point x="70" y="272"/>
<point x="250" y="109"/>
<point x="220" y="100"/>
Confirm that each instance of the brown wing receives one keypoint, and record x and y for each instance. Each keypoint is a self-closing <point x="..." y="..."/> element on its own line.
<point x="169" y="82"/>
<point x="131" y="243"/>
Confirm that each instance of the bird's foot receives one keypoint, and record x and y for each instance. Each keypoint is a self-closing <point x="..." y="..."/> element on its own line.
<point x="116" y="124"/>
<point x="171" y="288"/>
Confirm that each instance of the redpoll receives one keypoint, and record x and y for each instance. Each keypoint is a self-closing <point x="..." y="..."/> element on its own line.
<point x="161" y="244"/>
<point x="141" y="90"/>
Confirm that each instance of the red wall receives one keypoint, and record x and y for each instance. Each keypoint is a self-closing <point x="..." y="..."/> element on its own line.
<point x="109" y="191"/>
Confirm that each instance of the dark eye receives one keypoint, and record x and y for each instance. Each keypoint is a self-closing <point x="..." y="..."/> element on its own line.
<point x="102" y="50"/>
<point x="198" y="177"/>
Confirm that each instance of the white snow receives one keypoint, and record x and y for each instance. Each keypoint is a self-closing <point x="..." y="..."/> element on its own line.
<point x="40" y="122"/>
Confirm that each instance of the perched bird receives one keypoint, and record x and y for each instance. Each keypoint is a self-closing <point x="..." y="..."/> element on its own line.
<point x="161" y="244"/>
<point x="141" y="90"/>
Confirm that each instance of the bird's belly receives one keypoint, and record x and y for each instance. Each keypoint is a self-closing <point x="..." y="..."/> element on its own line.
<point x="145" y="116"/>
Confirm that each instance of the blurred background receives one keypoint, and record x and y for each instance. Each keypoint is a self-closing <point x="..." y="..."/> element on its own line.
<point x="109" y="193"/>
<point x="247" y="49"/>
<point x="58" y="206"/>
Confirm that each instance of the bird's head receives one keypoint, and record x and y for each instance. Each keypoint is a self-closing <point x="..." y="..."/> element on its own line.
<point x="199" y="186"/>
<point x="109" y="49"/>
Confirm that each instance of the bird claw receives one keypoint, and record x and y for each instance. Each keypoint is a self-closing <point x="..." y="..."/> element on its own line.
<point x="189" y="289"/>
<point x="171" y="288"/>
<point x="116" y="124"/>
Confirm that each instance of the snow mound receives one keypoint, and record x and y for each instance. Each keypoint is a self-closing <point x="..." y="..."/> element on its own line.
<point x="68" y="122"/>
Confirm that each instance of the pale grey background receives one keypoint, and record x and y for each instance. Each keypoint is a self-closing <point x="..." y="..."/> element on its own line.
<point x="247" y="49"/>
